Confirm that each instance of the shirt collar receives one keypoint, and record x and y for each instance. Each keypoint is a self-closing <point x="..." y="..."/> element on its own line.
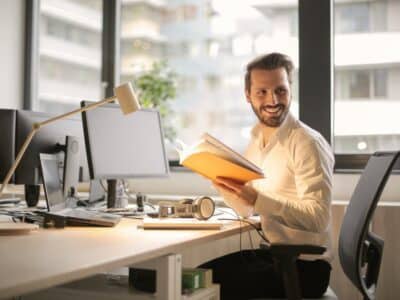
<point x="286" y="127"/>
<point x="282" y="132"/>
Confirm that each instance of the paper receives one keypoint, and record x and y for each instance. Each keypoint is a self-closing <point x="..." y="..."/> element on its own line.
<point x="211" y="158"/>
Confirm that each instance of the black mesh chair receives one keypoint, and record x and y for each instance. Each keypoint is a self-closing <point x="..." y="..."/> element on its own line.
<point x="360" y="251"/>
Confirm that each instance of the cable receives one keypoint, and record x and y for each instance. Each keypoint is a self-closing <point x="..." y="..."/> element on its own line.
<point x="236" y="215"/>
<point x="260" y="233"/>
<point x="126" y="192"/>
<point x="251" y="240"/>
<point x="238" y="218"/>
<point x="102" y="185"/>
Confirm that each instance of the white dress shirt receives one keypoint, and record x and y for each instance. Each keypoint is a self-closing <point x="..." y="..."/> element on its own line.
<point x="294" y="198"/>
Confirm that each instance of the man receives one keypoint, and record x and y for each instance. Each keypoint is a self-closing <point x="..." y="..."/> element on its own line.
<point x="293" y="200"/>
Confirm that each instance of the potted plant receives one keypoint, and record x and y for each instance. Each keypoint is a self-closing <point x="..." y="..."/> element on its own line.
<point x="157" y="89"/>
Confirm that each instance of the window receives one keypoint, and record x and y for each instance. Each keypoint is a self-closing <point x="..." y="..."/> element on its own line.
<point x="69" y="54"/>
<point x="352" y="17"/>
<point x="361" y="84"/>
<point x="364" y="16"/>
<point x="207" y="44"/>
<point x="367" y="97"/>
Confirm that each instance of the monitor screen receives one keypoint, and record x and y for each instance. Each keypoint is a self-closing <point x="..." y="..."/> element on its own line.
<point x="124" y="146"/>
<point x="44" y="141"/>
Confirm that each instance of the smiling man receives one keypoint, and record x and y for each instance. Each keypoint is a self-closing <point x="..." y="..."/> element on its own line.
<point x="293" y="200"/>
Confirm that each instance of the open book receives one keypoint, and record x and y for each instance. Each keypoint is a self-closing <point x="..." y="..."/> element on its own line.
<point x="211" y="158"/>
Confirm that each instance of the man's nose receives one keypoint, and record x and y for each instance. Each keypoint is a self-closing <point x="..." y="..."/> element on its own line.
<point x="272" y="99"/>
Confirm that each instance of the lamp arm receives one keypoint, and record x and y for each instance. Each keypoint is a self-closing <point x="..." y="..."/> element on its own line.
<point x="37" y="126"/>
<point x="18" y="158"/>
<point x="79" y="110"/>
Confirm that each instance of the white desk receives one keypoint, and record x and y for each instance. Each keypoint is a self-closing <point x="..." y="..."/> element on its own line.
<point x="51" y="257"/>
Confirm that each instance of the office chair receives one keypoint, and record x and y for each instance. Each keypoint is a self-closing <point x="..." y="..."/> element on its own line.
<point x="360" y="251"/>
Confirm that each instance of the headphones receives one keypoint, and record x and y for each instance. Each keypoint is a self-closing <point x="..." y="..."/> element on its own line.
<point x="201" y="208"/>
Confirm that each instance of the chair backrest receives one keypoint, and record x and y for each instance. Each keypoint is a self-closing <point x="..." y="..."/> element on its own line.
<point x="358" y="246"/>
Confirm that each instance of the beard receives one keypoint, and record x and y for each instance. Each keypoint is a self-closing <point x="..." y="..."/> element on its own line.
<point x="271" y="121"/>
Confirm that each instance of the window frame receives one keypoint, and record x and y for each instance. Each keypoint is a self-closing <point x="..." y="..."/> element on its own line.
<point x="316" y="74"/>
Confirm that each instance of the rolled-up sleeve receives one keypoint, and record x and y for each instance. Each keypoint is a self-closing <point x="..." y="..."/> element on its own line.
<point x="234" y="202"/>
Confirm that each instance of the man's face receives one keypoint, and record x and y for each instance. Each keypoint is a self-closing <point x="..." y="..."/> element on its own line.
<point x="270" y="95"/>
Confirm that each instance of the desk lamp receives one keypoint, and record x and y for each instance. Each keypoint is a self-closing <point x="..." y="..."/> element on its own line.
<point x="127" y="102"/>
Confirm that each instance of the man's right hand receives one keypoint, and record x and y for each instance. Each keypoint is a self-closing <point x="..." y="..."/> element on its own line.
<point x="239" y="203"/>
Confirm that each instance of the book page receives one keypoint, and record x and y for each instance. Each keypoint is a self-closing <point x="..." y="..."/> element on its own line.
<point x="209" y="144"/>
<point x="231" y="154"/>
<point x="211" y="166"/>
<point x="201" y="146"/>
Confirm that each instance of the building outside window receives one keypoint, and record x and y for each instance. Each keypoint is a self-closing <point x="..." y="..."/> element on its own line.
<point x="207" y="43"/>
<point x="367" y="73"/>
<point x="69" y="54"/>
<point x="361" y="84"/>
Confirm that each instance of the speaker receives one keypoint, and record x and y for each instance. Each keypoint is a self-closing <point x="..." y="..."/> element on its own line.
<point x="201" y="208"/>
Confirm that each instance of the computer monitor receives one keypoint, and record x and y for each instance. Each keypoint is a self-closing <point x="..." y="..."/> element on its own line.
<point x="124" y="146"/>
<point x="17" y="124"/>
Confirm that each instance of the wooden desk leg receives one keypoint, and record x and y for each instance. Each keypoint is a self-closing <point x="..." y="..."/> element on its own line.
<point x="169" y="276"/>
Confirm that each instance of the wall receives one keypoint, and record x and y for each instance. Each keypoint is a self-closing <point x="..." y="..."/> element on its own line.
<point x="185" y="183"/>
<point x="12" y="16"/>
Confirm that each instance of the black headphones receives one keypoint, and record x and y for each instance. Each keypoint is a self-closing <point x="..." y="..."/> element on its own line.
<point x="201" y="208"/>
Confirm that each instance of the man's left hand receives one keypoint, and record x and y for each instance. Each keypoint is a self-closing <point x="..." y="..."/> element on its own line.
<point x="244" y="192"/>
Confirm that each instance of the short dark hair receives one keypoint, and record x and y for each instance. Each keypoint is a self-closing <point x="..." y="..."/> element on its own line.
<point x="269" y="61"/>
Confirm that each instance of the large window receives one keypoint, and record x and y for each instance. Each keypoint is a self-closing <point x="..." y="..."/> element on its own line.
<point x="367" y="74"/>
<point x="207" y="44"/>
<point x="69" y="54"/>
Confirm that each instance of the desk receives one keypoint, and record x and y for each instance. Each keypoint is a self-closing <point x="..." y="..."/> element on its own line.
<point x="51" y="257"/>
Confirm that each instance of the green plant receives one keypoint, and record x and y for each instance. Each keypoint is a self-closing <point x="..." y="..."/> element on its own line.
<point x="157" y="89"/>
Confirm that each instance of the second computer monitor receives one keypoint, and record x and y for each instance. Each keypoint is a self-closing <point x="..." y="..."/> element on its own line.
<point x="124" y="146"/>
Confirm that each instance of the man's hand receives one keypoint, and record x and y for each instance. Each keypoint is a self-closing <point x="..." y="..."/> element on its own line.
<point x="244" y="193"/>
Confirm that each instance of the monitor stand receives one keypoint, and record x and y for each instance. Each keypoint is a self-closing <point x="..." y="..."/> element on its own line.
<point x="115" y="194"/>
<point x="116" y="200"/>
<point x="32" y="194"/>
<point x="71" y="166"/>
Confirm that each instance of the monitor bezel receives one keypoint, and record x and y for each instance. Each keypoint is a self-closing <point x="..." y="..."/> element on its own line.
<point x="120" y="176"/>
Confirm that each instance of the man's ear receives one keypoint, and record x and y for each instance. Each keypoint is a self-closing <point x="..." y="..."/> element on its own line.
<point x="247" y="93"/>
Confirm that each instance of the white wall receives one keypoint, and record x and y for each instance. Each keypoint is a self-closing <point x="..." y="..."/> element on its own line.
<point x="12" y="31"/>
<point x="187" y="184"/>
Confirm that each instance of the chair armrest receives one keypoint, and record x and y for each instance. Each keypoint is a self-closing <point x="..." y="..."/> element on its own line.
<point x="291" y="249"/>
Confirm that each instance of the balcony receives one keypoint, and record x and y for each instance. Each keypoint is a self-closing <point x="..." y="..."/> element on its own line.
<point x="69" y="52"/>
<point x="72" y="13"/>
<point x="367" y="49"/>
<point x="374" y="117"/>
<point x="65" y="92"/>
<point x="155" y="3"/>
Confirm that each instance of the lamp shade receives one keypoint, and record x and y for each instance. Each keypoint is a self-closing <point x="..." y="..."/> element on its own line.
<point x="126" y="98"/>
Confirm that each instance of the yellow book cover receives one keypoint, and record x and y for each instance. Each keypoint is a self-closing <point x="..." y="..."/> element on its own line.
<point x="211" y="158"/>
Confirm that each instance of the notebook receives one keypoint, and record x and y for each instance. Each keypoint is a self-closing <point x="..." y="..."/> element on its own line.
<point x="11" y="228"/>
<point x="181" y="223"/>
<point x="57" y="203"/>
